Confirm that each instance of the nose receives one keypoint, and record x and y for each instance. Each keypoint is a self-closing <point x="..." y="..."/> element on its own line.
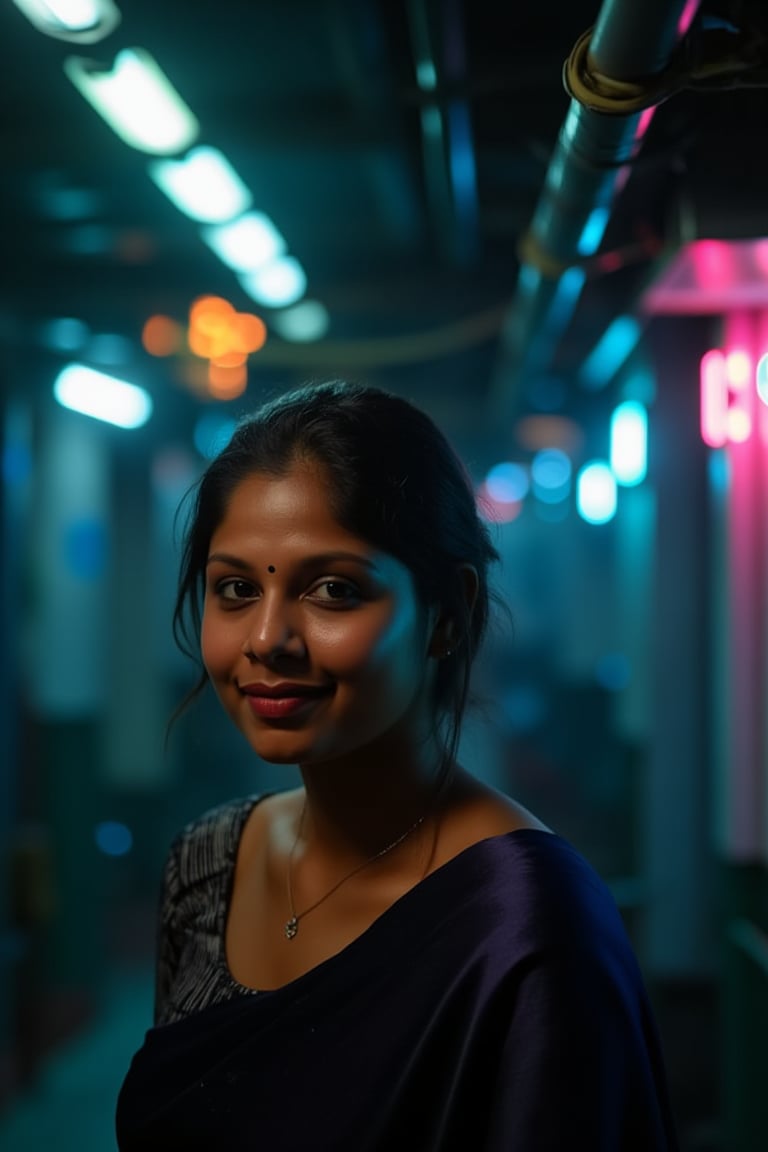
<point x="272" y="631"/>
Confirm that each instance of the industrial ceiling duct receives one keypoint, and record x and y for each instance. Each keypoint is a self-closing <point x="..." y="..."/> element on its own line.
<point x="617" y="74"/>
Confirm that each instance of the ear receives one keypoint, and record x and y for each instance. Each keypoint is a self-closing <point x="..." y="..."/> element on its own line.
<point x="446" y="633"/>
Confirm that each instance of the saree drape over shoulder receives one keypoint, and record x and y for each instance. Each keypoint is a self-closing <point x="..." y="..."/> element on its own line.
<point x="496" y="1007"/>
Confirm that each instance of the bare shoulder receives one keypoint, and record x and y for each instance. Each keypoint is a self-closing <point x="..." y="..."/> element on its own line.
<point x="477" y="811"/>
<point x="269" y="824"/>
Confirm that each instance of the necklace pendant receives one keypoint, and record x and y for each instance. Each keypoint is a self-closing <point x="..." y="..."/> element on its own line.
<point x="291" y="928"/>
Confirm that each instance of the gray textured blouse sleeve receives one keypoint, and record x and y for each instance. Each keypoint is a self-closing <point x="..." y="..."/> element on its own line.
<point x="168" y="944"/>
<point x="190" y="963"/>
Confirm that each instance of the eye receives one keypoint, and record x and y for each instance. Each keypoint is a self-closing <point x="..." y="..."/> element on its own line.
<point x="235" y="589"/>
<point x="342" y="592"/>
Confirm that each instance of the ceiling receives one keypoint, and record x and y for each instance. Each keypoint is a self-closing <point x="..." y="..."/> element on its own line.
<point x="411" y="242"/>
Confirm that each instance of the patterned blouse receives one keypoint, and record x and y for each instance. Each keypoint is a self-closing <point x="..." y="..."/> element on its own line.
<point x="192" y="969"/>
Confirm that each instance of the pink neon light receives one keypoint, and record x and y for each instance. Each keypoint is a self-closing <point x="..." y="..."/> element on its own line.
<point x="760" y="254"/>
<point x="738" y="369"/>
<point x="496" y="511"/>
<point x="713" y="263"/>
<point x="740" y="379"/>
<point x="644" y="122"/>
<point x="739" y="425"/>
<point x="714" y="399"/>
<point x="686" y="17"/>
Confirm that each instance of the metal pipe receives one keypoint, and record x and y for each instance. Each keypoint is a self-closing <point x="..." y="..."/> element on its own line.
<point x="632" y="40"/>
<point x="439" y="50"/>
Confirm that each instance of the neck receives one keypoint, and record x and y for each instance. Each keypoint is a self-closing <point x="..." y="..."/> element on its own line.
<point x="357" y="806"/>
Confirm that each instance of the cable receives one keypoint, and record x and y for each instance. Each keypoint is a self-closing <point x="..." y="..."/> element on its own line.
<point x="708" y="60"/>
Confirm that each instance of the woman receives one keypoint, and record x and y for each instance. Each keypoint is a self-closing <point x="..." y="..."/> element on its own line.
<point x="393" y="956"/>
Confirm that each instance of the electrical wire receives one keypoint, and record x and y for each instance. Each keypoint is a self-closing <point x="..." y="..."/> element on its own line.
<point x="707" y="60"/>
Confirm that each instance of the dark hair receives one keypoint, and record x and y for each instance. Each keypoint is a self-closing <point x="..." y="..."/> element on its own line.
<point x="395" y="482"/>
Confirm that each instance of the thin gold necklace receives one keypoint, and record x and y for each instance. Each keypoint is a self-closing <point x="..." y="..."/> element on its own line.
<point x="292" y="924"/>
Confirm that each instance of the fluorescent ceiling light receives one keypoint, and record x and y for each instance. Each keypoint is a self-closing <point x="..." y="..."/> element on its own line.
<point x="101" y="396"/>
<point x="137" y="100"/>
<point x="610" y="352"/>
<point x="596" y="493"/>
<point x="204" y="185"/>
<point x="277" y="284"/>
<point x="629" y="443"/>
<point x="247" y="243"/>
<point x="85" y="21"/>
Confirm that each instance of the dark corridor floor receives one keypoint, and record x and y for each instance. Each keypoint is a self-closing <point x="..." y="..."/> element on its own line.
<point x="72" y="1104"/>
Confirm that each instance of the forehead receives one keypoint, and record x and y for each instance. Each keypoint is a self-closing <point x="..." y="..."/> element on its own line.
<point x="295" y="505"/>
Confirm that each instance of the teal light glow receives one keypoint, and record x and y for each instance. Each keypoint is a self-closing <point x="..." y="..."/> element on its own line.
<point x="65" y="334"/>
<point x="719" y="471"/>
<point x="277" y="284"/>
<point x="426" y="76"/>
<point x="85" y="548"/>
<point x="113" y="838"/>
<point x="103" y="397"/>
<point x="593" y="231"/>
<point x="204" y="186"/>
<point x="761" y="378"/>
<point x="137" y="101"/>
<point x="610" y="352"/>
<point x="613" y="671"/>
<point x="629" y="443"/>
<point x="496" y="509"/>
<point x="596" y="493"/>
<point x="566" y="295"/>
<point x="212" y="433"/>
<point x="85" y="20"/>
<point x="109" y="349"/>
<point x="246" y="243"/>
<point x="551" y="476"/>
<point x="507" y="482"/>
<point x="302" y="323"/>
<point x="639" y="384"/>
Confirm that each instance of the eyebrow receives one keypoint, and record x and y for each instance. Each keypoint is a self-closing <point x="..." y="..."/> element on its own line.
<point x="310" y="561"/>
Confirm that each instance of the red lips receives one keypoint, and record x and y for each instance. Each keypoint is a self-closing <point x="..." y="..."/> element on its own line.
<point x="277" y="701"/>
<point x="284" y="688"/>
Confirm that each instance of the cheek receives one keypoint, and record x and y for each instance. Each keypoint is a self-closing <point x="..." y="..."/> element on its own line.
<point x="216" y="643"/>
<point x="390" y="643"/>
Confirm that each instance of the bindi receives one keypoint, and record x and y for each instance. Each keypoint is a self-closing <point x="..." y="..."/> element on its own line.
<point x="270" y="568"/>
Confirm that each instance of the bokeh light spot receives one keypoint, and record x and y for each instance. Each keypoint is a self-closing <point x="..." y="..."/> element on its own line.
<point x="113" y="838"/>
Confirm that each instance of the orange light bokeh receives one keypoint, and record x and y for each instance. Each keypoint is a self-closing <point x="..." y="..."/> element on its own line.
<point x="222" y="335"/>
<point x="161" y="336"/>
<point x="226" y="383"/>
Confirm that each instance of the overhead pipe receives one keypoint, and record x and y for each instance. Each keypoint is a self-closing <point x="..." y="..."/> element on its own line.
<point x="625" y="56"/>
<point x="439" y="52"/>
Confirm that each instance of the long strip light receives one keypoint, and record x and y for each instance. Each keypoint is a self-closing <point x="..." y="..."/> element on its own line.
<point x="246" y="243"/>
<point x="596" y="493"/>
<point x="102" y="396"/>
<point x="278" y="284"/>
<point x="85" y="21"/>
<point x="203" y="185"/>
<point x="629" y="443"/>
<point x="137" y="100"/>
<point x="610" y="352"/>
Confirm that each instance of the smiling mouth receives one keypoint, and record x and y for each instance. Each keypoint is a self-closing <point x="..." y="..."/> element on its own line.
<point x="279" y="707"/>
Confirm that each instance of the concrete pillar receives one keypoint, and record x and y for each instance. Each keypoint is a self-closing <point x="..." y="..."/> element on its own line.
<point x="66" y="684"/>
<point x="678" y="929"/>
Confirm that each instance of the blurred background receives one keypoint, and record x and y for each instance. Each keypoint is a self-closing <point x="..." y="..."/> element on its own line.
<point x="547" y="224"/>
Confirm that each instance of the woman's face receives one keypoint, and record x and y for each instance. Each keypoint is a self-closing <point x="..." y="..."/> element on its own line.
<point x="315" y="643"/>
